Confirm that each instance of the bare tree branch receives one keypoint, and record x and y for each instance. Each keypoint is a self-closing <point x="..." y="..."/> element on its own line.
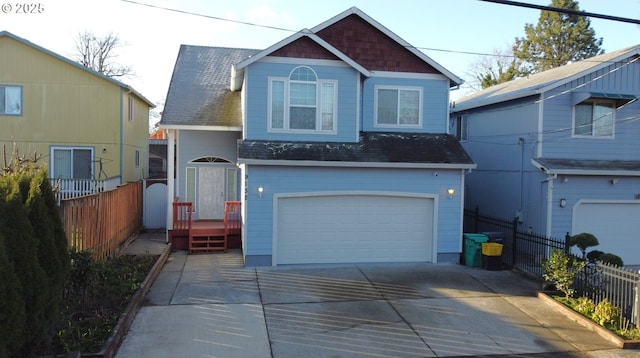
<point x="98" y="53"/>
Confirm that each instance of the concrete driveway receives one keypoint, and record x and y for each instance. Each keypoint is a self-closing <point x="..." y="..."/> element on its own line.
<point x="212" y="306"/>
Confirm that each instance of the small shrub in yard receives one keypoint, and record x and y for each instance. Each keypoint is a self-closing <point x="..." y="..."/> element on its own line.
<point x="585" y="306"/>
<point x="605" y="313"/>
<point x="562" y="269"/>
<point x="611" y="259"/>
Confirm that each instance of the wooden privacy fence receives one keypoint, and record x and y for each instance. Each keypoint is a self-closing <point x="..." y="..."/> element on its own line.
<point x="103" y="221"/>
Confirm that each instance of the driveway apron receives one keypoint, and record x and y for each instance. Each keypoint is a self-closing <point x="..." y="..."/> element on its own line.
<point x="213" y="306"/>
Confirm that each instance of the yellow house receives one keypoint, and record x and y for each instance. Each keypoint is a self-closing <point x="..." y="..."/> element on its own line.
<point x="85" y="126"/>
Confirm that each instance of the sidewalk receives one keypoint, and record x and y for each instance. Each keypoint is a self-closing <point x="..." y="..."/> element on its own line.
<point x="211" y="305"/>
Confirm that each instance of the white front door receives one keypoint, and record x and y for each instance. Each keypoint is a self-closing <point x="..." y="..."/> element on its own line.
<point x="211" y="192"/>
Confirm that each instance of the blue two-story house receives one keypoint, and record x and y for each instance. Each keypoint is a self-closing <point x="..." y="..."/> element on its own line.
<point x="334" y="139"/>
<point x="560" y="150"/>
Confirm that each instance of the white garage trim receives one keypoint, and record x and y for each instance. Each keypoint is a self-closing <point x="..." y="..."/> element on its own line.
<point x="430" y="200"/>
<point x="613" y="223"/>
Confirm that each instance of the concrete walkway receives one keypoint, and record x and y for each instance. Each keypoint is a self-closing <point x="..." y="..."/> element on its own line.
<point x="212" y="306"/>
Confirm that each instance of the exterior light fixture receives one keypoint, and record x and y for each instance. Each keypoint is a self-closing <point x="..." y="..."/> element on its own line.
<point x="260" y="190"/>
<point x="563" y="202"/>
<point x="451" y="191"/>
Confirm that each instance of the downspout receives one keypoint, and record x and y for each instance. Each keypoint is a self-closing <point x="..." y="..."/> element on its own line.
<point x="122" y="179"/>
<point x="540" y="126"/>
<point x="550" y="179"/>
<point x="171" y="154"/>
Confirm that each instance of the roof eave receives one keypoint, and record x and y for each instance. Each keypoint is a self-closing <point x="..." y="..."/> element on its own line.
<point x="351" y="164"/>
<point x="586" y="172"/>
<point x="199" y="127"/>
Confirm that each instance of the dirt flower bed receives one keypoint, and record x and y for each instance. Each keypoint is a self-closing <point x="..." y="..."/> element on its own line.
<point x="96" y="295"/>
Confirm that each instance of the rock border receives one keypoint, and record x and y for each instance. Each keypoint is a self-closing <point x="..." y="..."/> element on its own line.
<point x="584" y="321"/>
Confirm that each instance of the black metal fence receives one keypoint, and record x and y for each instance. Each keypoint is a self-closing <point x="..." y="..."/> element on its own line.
<point x="523" y="250"/>
<point x="619" y="286"/>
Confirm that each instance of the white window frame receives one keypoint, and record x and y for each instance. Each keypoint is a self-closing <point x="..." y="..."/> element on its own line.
<point x="397" y="124"/>
<point x="286" y="127"/>
<point x="131" y="109"/>
<point x="593" y="102"/>
<point x="5" y="100"/>
<point x="191" y="187"/>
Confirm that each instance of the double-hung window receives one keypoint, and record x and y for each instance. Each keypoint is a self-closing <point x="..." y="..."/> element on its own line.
<point x="10" y="100"/>
<point x="302" y="102"/>
<point x="398" y="106"/>
<point x="594" y="118"/>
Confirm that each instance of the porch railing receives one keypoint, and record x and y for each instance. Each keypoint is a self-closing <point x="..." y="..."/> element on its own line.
<point x="74" y="188"/>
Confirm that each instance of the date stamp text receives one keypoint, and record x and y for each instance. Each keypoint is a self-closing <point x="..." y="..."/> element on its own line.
<point x="21" y="8"/>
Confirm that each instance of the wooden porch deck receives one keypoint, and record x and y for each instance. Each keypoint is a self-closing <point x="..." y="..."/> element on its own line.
<point x="204" y="228"/>
<point x="205" y="236"/>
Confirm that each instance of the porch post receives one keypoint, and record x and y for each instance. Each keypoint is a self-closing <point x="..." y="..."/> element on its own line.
<point x="171" y="154"/>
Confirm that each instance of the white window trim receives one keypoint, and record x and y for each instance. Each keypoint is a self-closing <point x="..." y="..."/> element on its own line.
<point x="398" y="88"/>
<point x="131" y="115"/>
<point x="195" y="186"/>
<point x="592" y="135"/>
<point x="287" y="107"/>
<point x="21" y="101"/>
<point x="462" y="126"/>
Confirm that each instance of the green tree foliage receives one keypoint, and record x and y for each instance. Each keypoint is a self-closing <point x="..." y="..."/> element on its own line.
<point x="561" y="269"/>
<point x="556" y="40"/>
<point x="35" y="249"/>
<point x="583" y="241"/>
<point x="12" y="308"/>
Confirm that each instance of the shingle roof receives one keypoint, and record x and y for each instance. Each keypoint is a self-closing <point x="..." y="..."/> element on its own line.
<point x="605" y="167"/>
<point x="416" y="148"/>
<point x="199" y="91"/>
<point x="543" y="81"/>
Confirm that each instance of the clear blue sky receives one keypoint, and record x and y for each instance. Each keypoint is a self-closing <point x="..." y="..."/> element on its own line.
<point x="446" y="30"/>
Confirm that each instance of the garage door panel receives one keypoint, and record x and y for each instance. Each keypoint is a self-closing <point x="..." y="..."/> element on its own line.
<point x="614" y="226"/>
<point x="354" y="228"/>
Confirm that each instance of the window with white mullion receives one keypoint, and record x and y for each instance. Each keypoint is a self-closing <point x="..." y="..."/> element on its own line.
<point x="594" y="118"/>
<point x="327" y="103"/>
<point x="400" y="107"/>
<point x="278" y="89"/>
<point x="302" y="103"/>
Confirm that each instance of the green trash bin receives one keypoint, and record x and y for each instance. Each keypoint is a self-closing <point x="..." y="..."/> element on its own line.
<point x="473" y="249"/>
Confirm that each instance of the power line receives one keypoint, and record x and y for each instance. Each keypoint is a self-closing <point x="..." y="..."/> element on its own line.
<point x="208" y="16"/>
<point x="565" y="11"/>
